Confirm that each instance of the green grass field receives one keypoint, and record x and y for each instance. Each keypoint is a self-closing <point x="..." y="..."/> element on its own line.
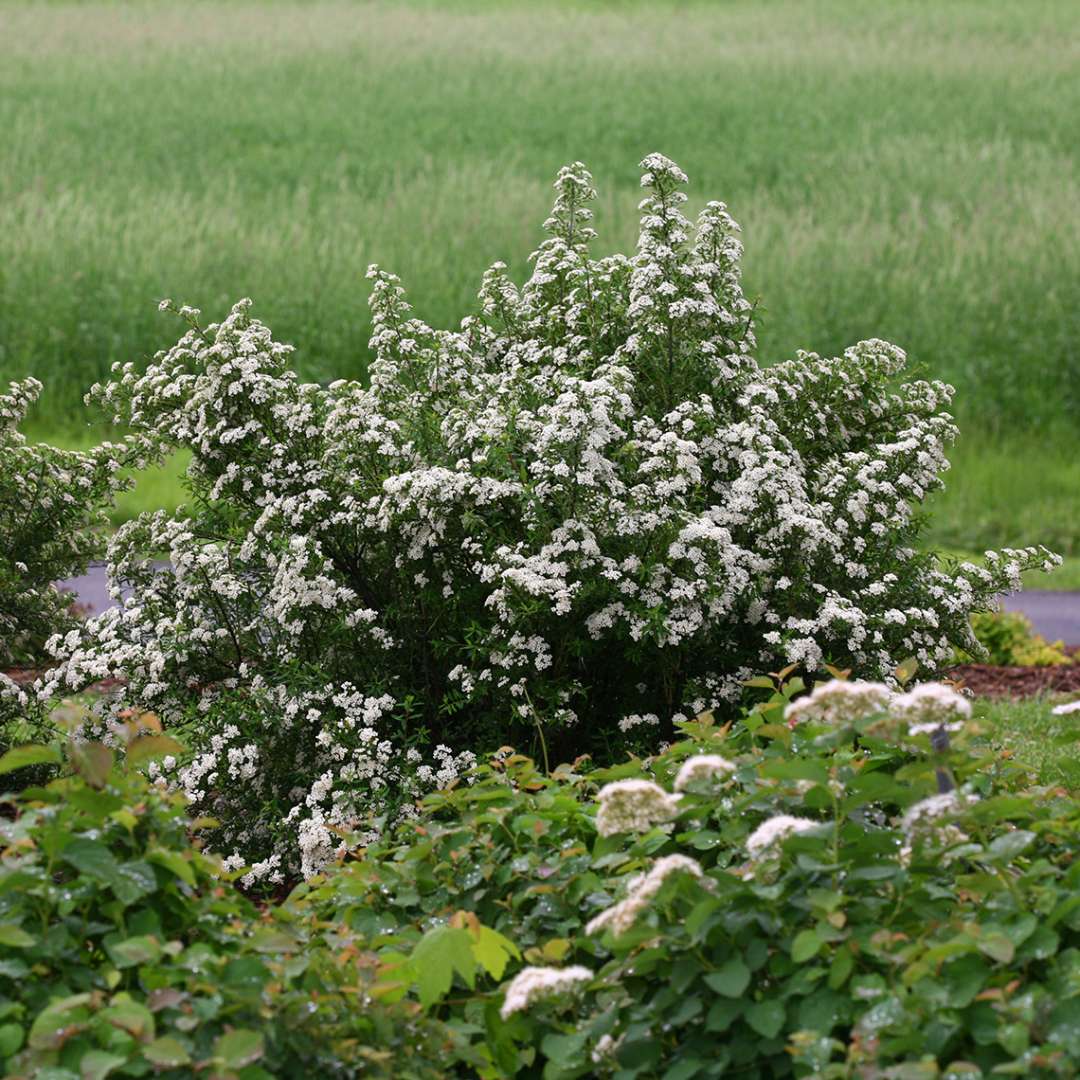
<point x="906" y="170"/>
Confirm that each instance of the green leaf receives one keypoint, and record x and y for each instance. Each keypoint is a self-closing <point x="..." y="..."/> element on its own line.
<point x="997" y="946"/>
<point x="152" y="747"/>
<point x="238" y="1048"/>
<point x="11" y="1038"/>
<point x="766" y="1018"/>
<point x="167" y="1052"/>
<point x="18" y="757"/>
<point x="731" y="979"/>
<point x="58" y="1021"/>
<point x="137" y="950"/>
<point x="493" y="951"/>
<point x="173" y="861"/>
<point x="1006" y="847"/>
<point x="97" y="1064"/>
<point x="438" y="954"/>
<point x="564" y="1050"/>
<point x="841" y="967"/>
<point x="722" y="1014"/>
<point x="130" y="1016"/>
<point x="806" y="946"/>
<point x="15" y="937"/>
<point x="92" y="761"/>
<point x="268" y="940"/>
<point x="92" y="858"/>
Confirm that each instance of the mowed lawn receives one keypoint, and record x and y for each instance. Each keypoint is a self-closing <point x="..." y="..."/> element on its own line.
<point x="903" y="170"/>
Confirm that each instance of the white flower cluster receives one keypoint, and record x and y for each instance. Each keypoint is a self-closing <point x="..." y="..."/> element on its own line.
<point x="633" y="806"/>
<point x="590" y="496"/>
<point x="931" y="706"/>
<point x="536" y="984"/>
<point x="700" y="769"/>
<point x="923" y="814"/>
<point x="640" y="893"/>
<point x="774" y="830"/>
<point x="839" y="702"/>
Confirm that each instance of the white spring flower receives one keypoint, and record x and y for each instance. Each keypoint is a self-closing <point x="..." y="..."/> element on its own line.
<point x="1068" y="707"/>
<point x="702" y="767"/>
<point x="839" y="702"/>
<point x="776" y="829"/>
<point x="930" y="706"/>
<point x="921" y="814"/>
<point x="633" y="806"/>
<point x="535" y="984"/>
<point x="621" y="916"/>
<point x="606" y="1047"/>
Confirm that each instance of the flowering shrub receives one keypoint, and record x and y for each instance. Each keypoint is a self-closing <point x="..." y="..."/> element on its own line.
<point x="52" y="515"/>
<point x="123" y="953"/>
<point x="823" y="908"/>
<point x="588" y="501"/>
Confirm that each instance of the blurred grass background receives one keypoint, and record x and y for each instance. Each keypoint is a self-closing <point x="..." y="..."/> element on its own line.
<point x="904" y="170"/>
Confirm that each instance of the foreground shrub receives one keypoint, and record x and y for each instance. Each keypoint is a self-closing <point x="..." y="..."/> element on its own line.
<point x="123" y="954"/>
<point x="840" y="893"/>
<point x="588" y="502"/>
<point x="52" y="519"/>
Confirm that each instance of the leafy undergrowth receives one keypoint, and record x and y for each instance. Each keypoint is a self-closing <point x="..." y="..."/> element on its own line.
<point x="124" y="953"/>
<point x="791" y="895"/>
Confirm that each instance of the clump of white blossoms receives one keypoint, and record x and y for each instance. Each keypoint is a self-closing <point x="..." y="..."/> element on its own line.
<point x="923" y="814"/>
<point x="588" y="501"/>
<point x="640" y="893"/>
<point x="839" y="702"/>
<point x="52" y="523"/>
<point x="700" y="769"/>
<point x="633" y="806"/>
<point x="931" y="706"/>
<point x="774" y="830"/>
<point x="532" y="985"/>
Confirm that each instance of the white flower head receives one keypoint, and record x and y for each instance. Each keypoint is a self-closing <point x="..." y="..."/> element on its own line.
<point x="633" y="806"/>
<point x="930" y="706"/>
<point x="535" y="984"/>
<point x="621" y="916"/>
<point x="702" y="767"/>
<point x="1068" y="707"/>
<point x="922" y="814"/>
<point x="839" y="702"/>
<point x="774" y="830"/>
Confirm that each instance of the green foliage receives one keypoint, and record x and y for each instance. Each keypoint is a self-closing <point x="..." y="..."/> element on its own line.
<point x="52" y="505"/>
<point x="865" y="946"/>
<point x="1010" y="640"/>
<point x="124" y="953"/>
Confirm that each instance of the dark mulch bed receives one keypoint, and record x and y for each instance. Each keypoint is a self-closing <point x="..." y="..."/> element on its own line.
<point x="987" y="680"/>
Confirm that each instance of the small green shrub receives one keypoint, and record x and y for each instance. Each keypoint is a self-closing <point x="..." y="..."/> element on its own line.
<point x="52" y="523"/>
<point x="124" y="953"/>
<point x="813" y="903"/>
<point x="1010" y="640"/>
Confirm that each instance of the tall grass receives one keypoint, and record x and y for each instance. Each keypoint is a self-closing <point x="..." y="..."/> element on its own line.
<point x="907" y="170"/>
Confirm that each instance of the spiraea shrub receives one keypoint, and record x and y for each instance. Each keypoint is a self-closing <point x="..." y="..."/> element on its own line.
<point x="590" y="501"/>
<point x="52" y="522"/>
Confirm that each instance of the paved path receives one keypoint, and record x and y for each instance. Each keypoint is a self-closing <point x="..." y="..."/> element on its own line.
<point x="1055" y="615"/>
